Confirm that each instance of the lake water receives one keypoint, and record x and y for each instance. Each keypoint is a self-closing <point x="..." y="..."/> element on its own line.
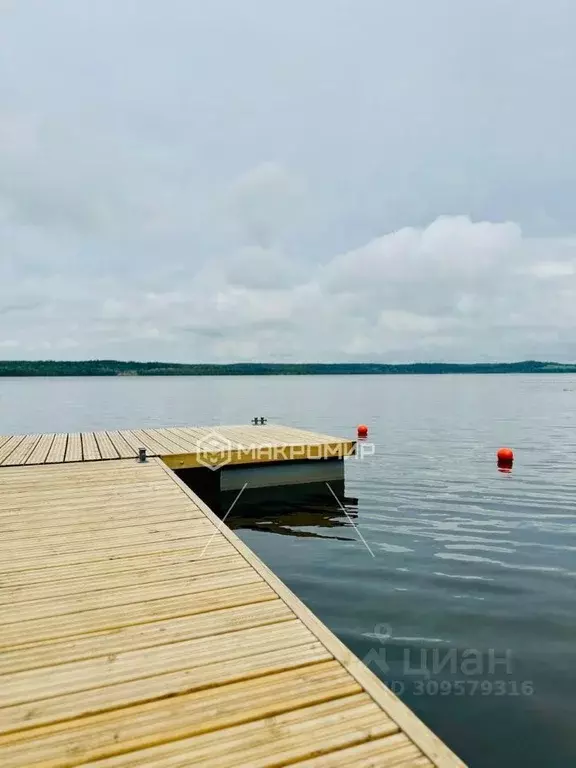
<point x="466" y="603"/>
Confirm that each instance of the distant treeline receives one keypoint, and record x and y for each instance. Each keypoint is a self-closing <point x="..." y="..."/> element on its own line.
<point x="119" y="368"/>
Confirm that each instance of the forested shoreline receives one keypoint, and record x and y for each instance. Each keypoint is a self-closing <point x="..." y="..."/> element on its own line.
<point x="132" y="368"/>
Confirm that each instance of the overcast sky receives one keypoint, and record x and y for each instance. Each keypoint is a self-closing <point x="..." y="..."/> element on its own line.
<point x="288" y="180"/>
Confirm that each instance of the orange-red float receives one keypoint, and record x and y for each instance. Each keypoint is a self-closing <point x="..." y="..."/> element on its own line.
<point x="505" y="455"/>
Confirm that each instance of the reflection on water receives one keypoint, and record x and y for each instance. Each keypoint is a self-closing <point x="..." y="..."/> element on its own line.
<point x="293" y="510"/>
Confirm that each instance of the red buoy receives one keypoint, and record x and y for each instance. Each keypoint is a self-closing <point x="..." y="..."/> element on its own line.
<point x="505" y="459"/>
<point x="505" y="455"/>
<point x="362" y="430"/>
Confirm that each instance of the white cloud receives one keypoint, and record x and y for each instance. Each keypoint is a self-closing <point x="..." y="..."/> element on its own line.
<point x="453" y="290"/>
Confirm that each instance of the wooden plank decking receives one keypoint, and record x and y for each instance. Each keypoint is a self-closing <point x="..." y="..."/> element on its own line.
<point x="179" y="447"/>
<point x="137" y="630"/>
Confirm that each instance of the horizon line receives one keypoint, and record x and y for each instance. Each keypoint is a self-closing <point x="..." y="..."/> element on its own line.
<point x="119" y="361"/>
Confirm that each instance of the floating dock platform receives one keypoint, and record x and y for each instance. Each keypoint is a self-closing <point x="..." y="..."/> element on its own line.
<point x="136" y="629"/>
<point x="180" y="448"/>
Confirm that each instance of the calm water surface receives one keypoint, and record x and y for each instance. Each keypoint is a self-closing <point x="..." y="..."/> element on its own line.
<point x="470" y="565"/>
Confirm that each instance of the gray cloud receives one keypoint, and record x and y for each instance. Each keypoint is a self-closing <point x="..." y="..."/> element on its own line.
<point x="223" y="181"/>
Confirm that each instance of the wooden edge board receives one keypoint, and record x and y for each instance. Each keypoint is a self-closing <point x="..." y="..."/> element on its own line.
<point x="261" y="455"/>
<point x="406" y="720"/>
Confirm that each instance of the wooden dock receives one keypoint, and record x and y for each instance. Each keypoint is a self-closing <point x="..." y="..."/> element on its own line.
<point x="138" y="630"/>
<point x="180" y="448"/>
